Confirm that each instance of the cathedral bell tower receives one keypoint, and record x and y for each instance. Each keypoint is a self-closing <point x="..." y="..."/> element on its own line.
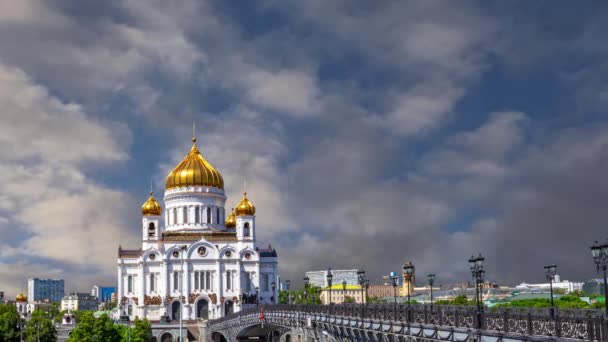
<point x="151" y="212"/>
<point x="245" y="220"/>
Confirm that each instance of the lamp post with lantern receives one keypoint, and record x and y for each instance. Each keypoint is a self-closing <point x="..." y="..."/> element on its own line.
<point x="431" y="278"/>
<point x="550" y="272"/>
<point x="395" y="279"/>
<point x="476" y="266"/>
<point x="273" y="285"/>
<point x="361" y="280"/>
<point x="408" y="276"/>
<point x="330" y="278"/>
<point x="306" y="282"/>
<point x="599" y="251"/>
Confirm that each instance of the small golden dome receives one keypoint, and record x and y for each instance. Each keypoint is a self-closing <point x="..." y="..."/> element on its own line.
<point x="245" y="207"/>
<point x="231" y="220"/>
<point x="151" y="207"/>
<point x="21" y="297"/>
<point x="194" y="170"/>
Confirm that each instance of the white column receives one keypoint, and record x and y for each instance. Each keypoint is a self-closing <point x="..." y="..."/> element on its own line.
<point x="218" y="285"/>
<point x="119" y="290"/>
<point x="142" y="284"/>
<point x="239" y="286"/>
<point x="164" y="284"/>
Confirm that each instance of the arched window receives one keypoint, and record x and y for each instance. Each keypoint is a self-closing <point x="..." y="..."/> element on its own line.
<point x="175" y="281"/>
<point x="152" y="285"/>
<point x="217" y="219"/>
<point x="185" y="215"/>
<point x="197" y="215"/>
<point x="246" y="230"/>
<point x="228" y="280"/>
<point x="208" y="214"/>
<point x="196" y="279"/>
<point x="130" y="284"/>
<point x="174" y="215"/>
<point x="151" y="229"/>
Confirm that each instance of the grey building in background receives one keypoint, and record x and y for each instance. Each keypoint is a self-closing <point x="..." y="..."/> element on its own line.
<point x="45" y="289"/>
<point x="319" y="278"/>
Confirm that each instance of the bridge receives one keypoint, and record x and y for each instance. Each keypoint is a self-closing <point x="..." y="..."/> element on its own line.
<point x="299" y="323"/>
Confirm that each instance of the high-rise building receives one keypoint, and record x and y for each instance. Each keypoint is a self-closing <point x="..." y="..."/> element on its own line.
<point x="103" y="293"/>
<point x="45" y="289"/>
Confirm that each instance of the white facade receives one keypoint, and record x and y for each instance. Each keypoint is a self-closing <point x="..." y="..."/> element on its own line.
<point x="568" y="286"/>
<point x="189" y="252"/>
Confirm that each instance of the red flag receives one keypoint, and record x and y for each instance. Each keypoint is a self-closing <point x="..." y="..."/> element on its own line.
<point x="262" y="318"/>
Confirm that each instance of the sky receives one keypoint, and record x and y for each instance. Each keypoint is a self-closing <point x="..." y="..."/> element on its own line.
<point x="369" y="133"/>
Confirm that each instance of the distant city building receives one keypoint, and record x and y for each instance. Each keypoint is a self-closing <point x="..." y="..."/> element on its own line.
<point x="568" y="286"/>
<point x="79" y="301"/>
<point x="45" y="289"/>
<point x="103" y="293"/>
<point x="1" y="296"/>
<point x="319" y="278"/>
<point x="339" y="294"/>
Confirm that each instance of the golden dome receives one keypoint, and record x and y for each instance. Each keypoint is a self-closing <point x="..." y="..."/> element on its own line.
<point x="151" y="207"/>
<point x="245" y="207"/>
<point x="231" y="220"/>
<point x="194" y="170"/>
<point x="21" y="297"/>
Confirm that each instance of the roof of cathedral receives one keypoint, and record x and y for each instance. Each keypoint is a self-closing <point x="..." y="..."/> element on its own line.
<point x="193" y="170"/>
<point x="151" y="207"/>
<point x="125" y="253"/>
<point x="209" y="236"/>
<point x="267" y="253"/>
<point x="245" y="207"/>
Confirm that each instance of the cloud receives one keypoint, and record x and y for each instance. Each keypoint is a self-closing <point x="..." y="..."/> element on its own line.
<point x="57" y="214"/>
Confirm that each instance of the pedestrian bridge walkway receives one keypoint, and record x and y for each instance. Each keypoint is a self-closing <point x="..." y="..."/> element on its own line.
<point x="406" y="323"/>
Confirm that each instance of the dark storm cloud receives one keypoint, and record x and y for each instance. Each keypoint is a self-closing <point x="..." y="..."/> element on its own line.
<point x="346" y="119"/>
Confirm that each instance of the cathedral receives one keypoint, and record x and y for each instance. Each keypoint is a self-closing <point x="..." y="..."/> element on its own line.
<point x="195" y="252"/>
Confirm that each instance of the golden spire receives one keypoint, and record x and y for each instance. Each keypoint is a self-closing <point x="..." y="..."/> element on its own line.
<point x="231" y="220"/>
<point x="245" y="207"/>
<point x="151" y="207"/>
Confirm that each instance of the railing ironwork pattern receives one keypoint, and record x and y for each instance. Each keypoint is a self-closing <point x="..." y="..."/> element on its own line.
<point x="580" y="324"/>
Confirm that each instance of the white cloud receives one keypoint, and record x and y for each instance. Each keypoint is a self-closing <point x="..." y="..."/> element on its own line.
<point x="56" y="212"/>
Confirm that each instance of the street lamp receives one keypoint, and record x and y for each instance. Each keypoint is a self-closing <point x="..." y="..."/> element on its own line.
<point x="395" y="283"/>
<point x="288" y="285"/>
<point x="257" y="297"/>
<point x="343" y="291"/>
<point x="183" y="249"/>
<point x="431" y="278"/>
<point x="361" y="279"/>
<point x="306" y="281"/>
<point x="330" y="278"/>
<point x="408" y="276"/>
<point x="274" y="286"/>
<point x="476" y="266"/>
<point x="550" y="272"/>
<point x="600" y="257"/>
<point x="366" y="288"/>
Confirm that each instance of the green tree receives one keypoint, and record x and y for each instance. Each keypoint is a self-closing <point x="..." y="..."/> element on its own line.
<point x="349" y="300"/>
<point x="40" y="328"/>
<point x="89" y="329"/>
<point x="375" y="300"/>
<point x="142" y="330"/>
<point x="9" y="323"/>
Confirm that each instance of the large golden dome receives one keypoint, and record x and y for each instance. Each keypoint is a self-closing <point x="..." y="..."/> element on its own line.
<point x="245" y="207"/>
<point x="194" y="170"/>
<point x="231" y="220"/>
<point x="21" y="297"/>
<point x="151" y="207"/>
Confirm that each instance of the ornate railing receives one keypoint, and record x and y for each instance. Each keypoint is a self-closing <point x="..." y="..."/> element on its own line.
<point x="565" y="323"/>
